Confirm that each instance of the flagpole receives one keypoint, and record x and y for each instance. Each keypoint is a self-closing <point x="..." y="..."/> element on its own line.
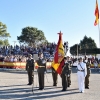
<point x="99" y="34"/>
<point x="97" y="19"/>
<point x="98" y="27"/>
<point x="77" y="50"/>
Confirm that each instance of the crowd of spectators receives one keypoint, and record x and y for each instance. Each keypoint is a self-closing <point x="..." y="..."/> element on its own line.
<point x="20" y="53"/>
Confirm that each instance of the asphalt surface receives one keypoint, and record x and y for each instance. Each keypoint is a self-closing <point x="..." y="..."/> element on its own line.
<point x="13" y="86"/>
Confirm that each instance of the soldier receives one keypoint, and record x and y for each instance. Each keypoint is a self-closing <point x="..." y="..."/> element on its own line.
<point x="54" y="76"/>
<point x="65" y="74"/>
<point x="88" y="63"/>
<point x="82" y="72"/>
<point x="41" y="70"/>
<point x="30" y="69"/>
<point x="70" y="68"/>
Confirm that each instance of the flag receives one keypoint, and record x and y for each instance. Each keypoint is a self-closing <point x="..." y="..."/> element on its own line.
<point x="58" y="61"/>
<point x="96" y="14"/>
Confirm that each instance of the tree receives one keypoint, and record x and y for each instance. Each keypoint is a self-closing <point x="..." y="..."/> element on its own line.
<point x="1" y="42"/>
<point x="4" y="42"/>
<point x="3" y="34"/>
<point x="31" y="36"/>
<point x="87" y="45"/>
<point x="73" y="49"/>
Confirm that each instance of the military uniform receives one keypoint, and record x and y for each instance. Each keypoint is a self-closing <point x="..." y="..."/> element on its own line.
<point x="54" y="76"/>
<point x="88" y="75"/>
<point x="41" y="70"/>
<point x="70" y="69"/>
<point x="65" y="75"/>
<point x="30" y="69"/>
<point x="81" y="73"/>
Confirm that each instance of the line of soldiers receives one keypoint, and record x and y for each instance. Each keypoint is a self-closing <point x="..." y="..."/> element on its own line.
<point x="41" y="69"/>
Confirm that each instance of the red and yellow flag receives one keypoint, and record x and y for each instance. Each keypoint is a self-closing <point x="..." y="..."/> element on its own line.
<point x="96" y="14"/>
<point x="59" y="56"/>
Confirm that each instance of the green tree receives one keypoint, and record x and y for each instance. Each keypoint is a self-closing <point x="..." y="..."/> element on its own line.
<point x="87" y="45"/>
<point x="1" y="42"/>
<point x="4" y="42"/>
<point x="73" y="49"/>
<point x="31" y="36"/>
<point x="3" y="34"/>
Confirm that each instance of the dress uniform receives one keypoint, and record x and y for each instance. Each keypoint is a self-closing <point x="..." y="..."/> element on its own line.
<point x="65" y="74"/>
<point x="54" y="76"/>
<point x="41" y="70"/>
<point x="82" y="72"/>
<point x="30" y="69"/>
<point x="88" y="73"/>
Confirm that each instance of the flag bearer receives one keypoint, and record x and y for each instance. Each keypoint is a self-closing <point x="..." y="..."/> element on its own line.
<point x="65" y="74"/>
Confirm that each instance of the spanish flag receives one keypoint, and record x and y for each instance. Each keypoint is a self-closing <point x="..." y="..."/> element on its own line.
<point x="96" y="14"/>
<point x="59" y="56"/>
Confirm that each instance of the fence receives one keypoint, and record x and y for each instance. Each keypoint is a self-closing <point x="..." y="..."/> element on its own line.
<point x="21" y="65"/>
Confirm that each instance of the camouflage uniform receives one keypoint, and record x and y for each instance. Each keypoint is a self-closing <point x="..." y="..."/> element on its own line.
<point x="70" y="70"/>
<point x="54" y="76"/>
<point x="65" y="75"/>
<point x="41" y="70"/>
<point x="30" y="69"/>
<point x="88" y="75"/>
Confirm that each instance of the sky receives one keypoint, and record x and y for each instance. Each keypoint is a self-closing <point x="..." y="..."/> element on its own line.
<point x="74" y="18"/>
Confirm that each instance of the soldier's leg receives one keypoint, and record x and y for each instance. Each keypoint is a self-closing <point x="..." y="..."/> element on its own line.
<point x="29" y="77"/>
<point x="39" y="78"/>
<point x="82" y="83"/>
<point x="32" y="78"/>
<point x="68" y="80"/>
<point x="42" y="80"/>
<point x="87" y="81"/>
<point x="79" y="81"/>
<point x="64" y="82"/>
<point x="55" y="78"/>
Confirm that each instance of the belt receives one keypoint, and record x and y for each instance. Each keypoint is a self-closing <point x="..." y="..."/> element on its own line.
<point x="81" y="70"/>
<point x="41" y="66"/>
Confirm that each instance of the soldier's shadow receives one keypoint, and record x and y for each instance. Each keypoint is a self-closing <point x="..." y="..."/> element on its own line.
<point x="50" y="94"/>
<point x="25" y="93"/>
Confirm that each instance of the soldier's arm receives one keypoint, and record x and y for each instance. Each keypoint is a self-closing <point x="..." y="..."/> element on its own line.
<point x="26" y="64"/>
<point x="68" y="69"/>
<point x="33" y="61"/>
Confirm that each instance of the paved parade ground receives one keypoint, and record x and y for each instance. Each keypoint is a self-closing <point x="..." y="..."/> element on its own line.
<point x="13" y="86"/>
